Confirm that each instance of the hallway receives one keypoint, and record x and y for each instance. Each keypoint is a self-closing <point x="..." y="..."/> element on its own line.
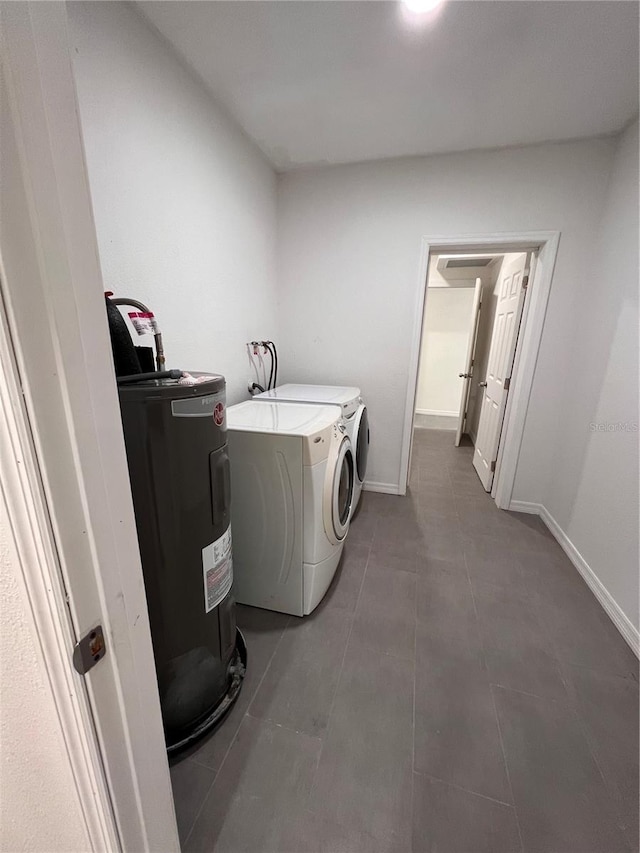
<point x="459" y="690"/>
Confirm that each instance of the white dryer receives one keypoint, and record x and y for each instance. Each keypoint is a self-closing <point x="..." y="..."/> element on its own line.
<point x="292" y="478"/>
<point x="354" y="413"/>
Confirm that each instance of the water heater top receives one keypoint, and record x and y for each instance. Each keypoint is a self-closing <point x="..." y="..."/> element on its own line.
<point x="173" y="389"/>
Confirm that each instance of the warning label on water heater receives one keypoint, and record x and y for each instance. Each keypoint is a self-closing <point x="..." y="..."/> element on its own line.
<point x="144" y="322"/>
<point x="217" y="568"/>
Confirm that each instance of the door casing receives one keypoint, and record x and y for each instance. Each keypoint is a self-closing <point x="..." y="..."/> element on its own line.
<point x="545" y="244"/>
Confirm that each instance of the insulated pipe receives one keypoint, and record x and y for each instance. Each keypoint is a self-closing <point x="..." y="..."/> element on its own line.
<point x="145" y="377"/>
<point x="160" y="360"/>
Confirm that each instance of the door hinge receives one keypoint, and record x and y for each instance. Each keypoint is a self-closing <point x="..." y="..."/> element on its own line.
<point x="493" y="466"/>
<point x="525" y="282"/>
<point x="507" y="383"/>
<point x="89" y="650"/>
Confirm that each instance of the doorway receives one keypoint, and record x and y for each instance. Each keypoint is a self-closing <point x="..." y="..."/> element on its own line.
<point x="477" y="330"/>
<point x="460" y="297"/>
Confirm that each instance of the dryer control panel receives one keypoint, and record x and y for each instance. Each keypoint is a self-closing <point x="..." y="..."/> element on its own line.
<point x="317" y="446"/>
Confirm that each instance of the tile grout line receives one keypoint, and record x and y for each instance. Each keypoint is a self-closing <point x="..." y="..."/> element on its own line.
<point x="506" y="687"/>
<point x="414" y="772"/>
<point x="506" y="766"/>
<point x="609" y="785"/>
<point x="462" y="788"/>
<point x="235" y="734"/>
<point x="200" y="763"/>
<point x="495" y="711"/>
<point x="338" y="680"/>
<point x="278" y="725"/>
<point x="367" y="648"/>
<point x="204" y="800"/>
<point x="413" y="710"/>
<point x="599" y="672"/>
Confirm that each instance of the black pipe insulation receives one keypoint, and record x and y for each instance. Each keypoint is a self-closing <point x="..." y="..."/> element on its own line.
<point x="146" y="377"/>
<point x="270" y="385"/>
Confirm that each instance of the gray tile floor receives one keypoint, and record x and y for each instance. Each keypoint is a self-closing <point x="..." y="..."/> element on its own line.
<point x="459" y="690"/>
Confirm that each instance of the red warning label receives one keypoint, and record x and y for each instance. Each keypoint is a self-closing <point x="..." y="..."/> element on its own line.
<point x="144" y="322"/>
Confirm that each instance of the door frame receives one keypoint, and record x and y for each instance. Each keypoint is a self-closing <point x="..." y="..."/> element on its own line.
<point x="472" y="343"/>
<point x="81" y="564"/>
<point x="38" y="574"/>
<point x="546" y="244"/>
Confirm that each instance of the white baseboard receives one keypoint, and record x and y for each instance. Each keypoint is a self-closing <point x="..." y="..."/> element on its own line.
<point x="382" y="488"/>
<point x="437" y="413"/>
<point x="610" y="605"/>
<point x="435" y="422"/>
<point x="606" y="600"/>
<point x="525" y="506"/>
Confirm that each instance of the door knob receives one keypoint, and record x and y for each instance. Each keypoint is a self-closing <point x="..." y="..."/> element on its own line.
<point x="482" y="384"/>
<point x="464" y="375"/>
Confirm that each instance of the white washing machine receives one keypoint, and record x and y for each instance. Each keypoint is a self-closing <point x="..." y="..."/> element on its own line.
<point x="292" y="479"/>
<point x="354" y="413"/>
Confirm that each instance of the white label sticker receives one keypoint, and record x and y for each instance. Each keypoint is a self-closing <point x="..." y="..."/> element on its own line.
<point x="217" y="568"/>
<point x="144" y="322"/>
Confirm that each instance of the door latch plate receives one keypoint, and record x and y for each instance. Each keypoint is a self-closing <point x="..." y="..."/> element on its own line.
<point x="89" y="650"/>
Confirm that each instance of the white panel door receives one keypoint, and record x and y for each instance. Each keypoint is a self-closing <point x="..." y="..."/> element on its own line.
<point x="468" y="365"/>
<point x="511" y="293"/>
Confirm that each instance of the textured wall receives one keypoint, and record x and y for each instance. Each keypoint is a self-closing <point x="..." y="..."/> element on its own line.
<point x="39" y="807"/>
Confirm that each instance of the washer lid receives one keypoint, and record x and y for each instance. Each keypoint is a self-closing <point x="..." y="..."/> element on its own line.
<point x="338" y="394"/>
<point x="281" y="418"/>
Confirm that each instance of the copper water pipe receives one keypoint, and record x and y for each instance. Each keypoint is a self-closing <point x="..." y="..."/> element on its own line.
<point x="160" y="360"/>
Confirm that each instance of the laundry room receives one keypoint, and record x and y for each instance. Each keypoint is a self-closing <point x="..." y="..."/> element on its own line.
<point x="335" y="329"/>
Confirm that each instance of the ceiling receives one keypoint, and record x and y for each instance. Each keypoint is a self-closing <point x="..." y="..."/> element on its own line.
<point x="316" y="82"/>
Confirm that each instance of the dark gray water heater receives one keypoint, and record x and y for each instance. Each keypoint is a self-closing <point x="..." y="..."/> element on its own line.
<point x="176" y="443"/>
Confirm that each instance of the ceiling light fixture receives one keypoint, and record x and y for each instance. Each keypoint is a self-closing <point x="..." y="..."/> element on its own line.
<point x="421" y="7"/>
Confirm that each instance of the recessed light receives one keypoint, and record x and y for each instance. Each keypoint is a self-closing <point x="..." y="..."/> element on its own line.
<point x="421" y="7"/>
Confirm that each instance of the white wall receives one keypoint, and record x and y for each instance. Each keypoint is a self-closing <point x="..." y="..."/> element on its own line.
<point x="445" y="335"/>
<point x="593" y="493"/>
<point x="349" y="252"/>
<point x="39" y="807"/>
<point x="185" y="205"/>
